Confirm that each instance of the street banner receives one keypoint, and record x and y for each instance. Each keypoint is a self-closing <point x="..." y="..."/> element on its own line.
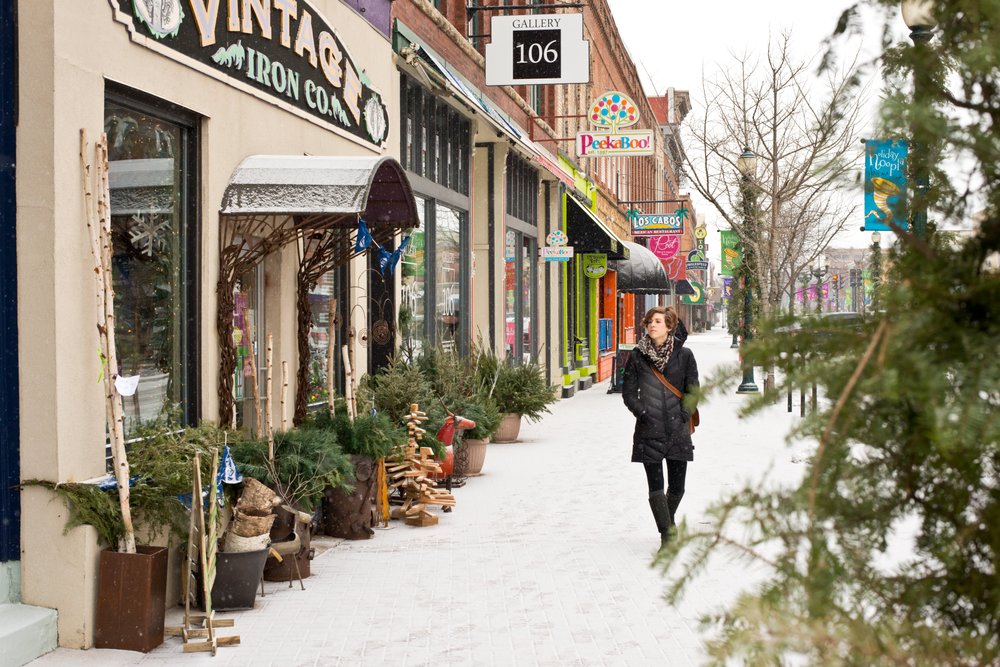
<point x="727" y="288"/>
<point x="731" y="254"/>
<point x="698" y="297"/>
<point x="885" y="184"/>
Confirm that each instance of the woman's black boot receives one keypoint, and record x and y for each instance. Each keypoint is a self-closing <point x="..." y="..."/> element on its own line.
<point x="673" y="501"/>
<point x="661" y="514"/>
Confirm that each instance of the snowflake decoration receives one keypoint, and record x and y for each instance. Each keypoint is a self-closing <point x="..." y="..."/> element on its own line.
<point x="148" y="233"/>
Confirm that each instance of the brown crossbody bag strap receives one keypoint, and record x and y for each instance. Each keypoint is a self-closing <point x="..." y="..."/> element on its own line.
<point x="695" y="417"/>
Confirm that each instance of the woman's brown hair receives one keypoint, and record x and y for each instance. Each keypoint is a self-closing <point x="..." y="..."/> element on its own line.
<point x="669" y="316"/>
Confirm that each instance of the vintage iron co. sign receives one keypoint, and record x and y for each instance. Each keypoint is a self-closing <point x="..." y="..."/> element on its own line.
<point x="280" y="50"/>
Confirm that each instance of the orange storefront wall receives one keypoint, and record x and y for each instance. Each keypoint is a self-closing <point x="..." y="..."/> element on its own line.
<point x="609" y="309"/>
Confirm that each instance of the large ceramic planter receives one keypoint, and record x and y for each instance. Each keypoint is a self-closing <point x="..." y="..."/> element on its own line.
<point x="131" y="599"/>
<point x="510" y="427"/>
<point x="475" y="455"/>
<point x="348" y="514"/>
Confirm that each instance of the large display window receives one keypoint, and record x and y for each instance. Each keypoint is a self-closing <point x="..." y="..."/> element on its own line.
<point x="152" y="153"/>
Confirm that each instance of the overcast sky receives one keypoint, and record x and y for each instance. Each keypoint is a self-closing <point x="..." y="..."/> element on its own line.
<point x="672" y="43"/>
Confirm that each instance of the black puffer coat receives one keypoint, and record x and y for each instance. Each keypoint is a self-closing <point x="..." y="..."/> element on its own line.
<point x="662" y="422"/>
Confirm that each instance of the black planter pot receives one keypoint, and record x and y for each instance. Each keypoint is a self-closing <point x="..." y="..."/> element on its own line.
<point x="131" y="599"/>
<point x="237" y="579"/>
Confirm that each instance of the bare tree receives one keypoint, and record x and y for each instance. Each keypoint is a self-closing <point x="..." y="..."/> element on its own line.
<point x="807" y="148"/>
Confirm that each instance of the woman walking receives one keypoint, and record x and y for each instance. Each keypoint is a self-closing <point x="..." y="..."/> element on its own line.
<point x="658" y="369"/>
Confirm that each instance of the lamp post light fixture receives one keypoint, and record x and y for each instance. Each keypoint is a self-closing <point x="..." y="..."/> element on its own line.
<point x="919" y="18"/>
<point x="819" y="270"/>
<point x="746" y="164"/>
<point x="876" y="267"/>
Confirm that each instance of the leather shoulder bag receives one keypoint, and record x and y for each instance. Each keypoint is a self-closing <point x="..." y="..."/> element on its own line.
<point x="695" y="417"/>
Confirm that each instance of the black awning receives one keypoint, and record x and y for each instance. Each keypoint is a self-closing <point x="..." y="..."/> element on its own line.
<point x="684" y="288"/>
<point x="587" y="234"/>
<point x="642" y="272"/>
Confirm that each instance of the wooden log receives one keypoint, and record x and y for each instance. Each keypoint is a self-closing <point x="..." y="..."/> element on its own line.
<point x="254" y="385"/>
<point x="284" y="395"/>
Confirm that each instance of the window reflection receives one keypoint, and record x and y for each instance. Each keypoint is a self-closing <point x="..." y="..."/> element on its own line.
<point x="413" y="296"/>
<point x="448" y="276"/>
<point x="148" y="262"/>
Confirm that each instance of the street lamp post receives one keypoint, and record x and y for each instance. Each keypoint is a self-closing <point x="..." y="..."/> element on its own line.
<point x="747" y="165"/>
<point x="876" y="267"/>
<point x="919" y="18"/>
<point x="818" y="271"/>
<point x="804" y="279"/>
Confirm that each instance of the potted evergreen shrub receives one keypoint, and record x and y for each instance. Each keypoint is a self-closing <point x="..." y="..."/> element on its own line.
<point x="306" y="462"/>
<point x="482" y="409"/>
<point x="519" y="390"/>
<point x="365" y="440"/>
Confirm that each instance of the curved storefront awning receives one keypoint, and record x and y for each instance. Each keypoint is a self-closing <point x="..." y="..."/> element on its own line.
<point x="587" y="234"/>
<point x="684" y="288"/>
<point x="642" y="272"/>
<point x="313" y="185"/>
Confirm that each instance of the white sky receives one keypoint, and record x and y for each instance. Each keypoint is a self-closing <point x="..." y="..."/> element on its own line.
<point x="672" y="43"/>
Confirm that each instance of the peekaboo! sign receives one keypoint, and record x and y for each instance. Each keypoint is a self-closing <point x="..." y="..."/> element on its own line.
<point x="608" y="114"/>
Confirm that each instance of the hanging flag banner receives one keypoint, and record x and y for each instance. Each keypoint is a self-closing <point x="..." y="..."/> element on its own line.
<point x="609" y="113"/>
<point x="665" y="247"/>
<point x="698" y="297"/>
<point x="731" y="254"/>
<point x="885" y="184"/>
<point x="727" y="288"/>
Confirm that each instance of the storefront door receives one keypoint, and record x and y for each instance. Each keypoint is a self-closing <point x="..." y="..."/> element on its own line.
<point x="10" y="524"/>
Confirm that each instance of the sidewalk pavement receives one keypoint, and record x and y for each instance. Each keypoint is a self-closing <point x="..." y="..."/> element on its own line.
<point x="545" y="560"/>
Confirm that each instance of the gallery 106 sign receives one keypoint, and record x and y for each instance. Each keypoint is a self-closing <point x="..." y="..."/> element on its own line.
<point x="537" y="49"/>
<point x="608" y="114"/>
<point x="282" y="51"/>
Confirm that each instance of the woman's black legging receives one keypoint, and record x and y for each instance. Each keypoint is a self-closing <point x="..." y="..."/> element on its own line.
<point x="676" y="472"/>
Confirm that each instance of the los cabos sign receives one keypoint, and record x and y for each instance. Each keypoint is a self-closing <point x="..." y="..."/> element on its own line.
<point x="283" y="51"/>
<point x="608" y="114"/>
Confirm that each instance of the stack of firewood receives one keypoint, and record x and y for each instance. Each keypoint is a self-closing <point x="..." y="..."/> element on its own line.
<point x="411" y="470"/>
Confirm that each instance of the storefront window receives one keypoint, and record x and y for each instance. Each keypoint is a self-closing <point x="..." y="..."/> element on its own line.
<point x="510" y="293"/>
<point x="413" y="301"/>
<point x="247" y="320"/>
<point x="154" y="264"/>
<point x="323" y="332"/>
<point x="520" y="251"/>
<point x="449" y="225"/>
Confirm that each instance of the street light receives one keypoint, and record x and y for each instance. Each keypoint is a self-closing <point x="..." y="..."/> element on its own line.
<point x="746" y="163"/>
<point x="876" y="267"/>
<point x="819" y="270"/>
<point x="919" y="18"/>
<point x="804" y="278"/>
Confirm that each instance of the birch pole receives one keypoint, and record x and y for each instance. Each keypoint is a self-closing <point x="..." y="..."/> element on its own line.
<point x="349" y="385"/>
<point x="254" y="387"/>
<point x="100" y="246"/>
<point x="284" y="395"/>
<point x="268" y="363"/>
<point x="331" y="342"/>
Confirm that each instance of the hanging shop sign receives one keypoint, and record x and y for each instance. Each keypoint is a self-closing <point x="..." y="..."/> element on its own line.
<point x="537" y="49"/>
<point x="656" y="224"/>
<point x="696" y="261"/>
<point x="731" y="255"/>
<point x="556" y="248"/>
<point x="885" y="184"/>
<point x="664" y="247"/>
<point x="283" y="52"/>
<point x="698" y="297"/>
<point x="608" y="114"/>
<point x="595" y="265"/>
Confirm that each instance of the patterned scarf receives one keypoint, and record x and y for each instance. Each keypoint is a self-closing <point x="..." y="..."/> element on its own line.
<point x="658" y="355"/>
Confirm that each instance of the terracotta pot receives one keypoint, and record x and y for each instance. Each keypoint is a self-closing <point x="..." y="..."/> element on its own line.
<point x="475" y="455"/>
<point x="131" y="599"/>
<point x="510" y="427"/>
<point x="348" y="514"/>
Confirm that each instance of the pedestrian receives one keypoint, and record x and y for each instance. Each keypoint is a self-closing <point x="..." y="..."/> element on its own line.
<point x="662" y="422"/>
